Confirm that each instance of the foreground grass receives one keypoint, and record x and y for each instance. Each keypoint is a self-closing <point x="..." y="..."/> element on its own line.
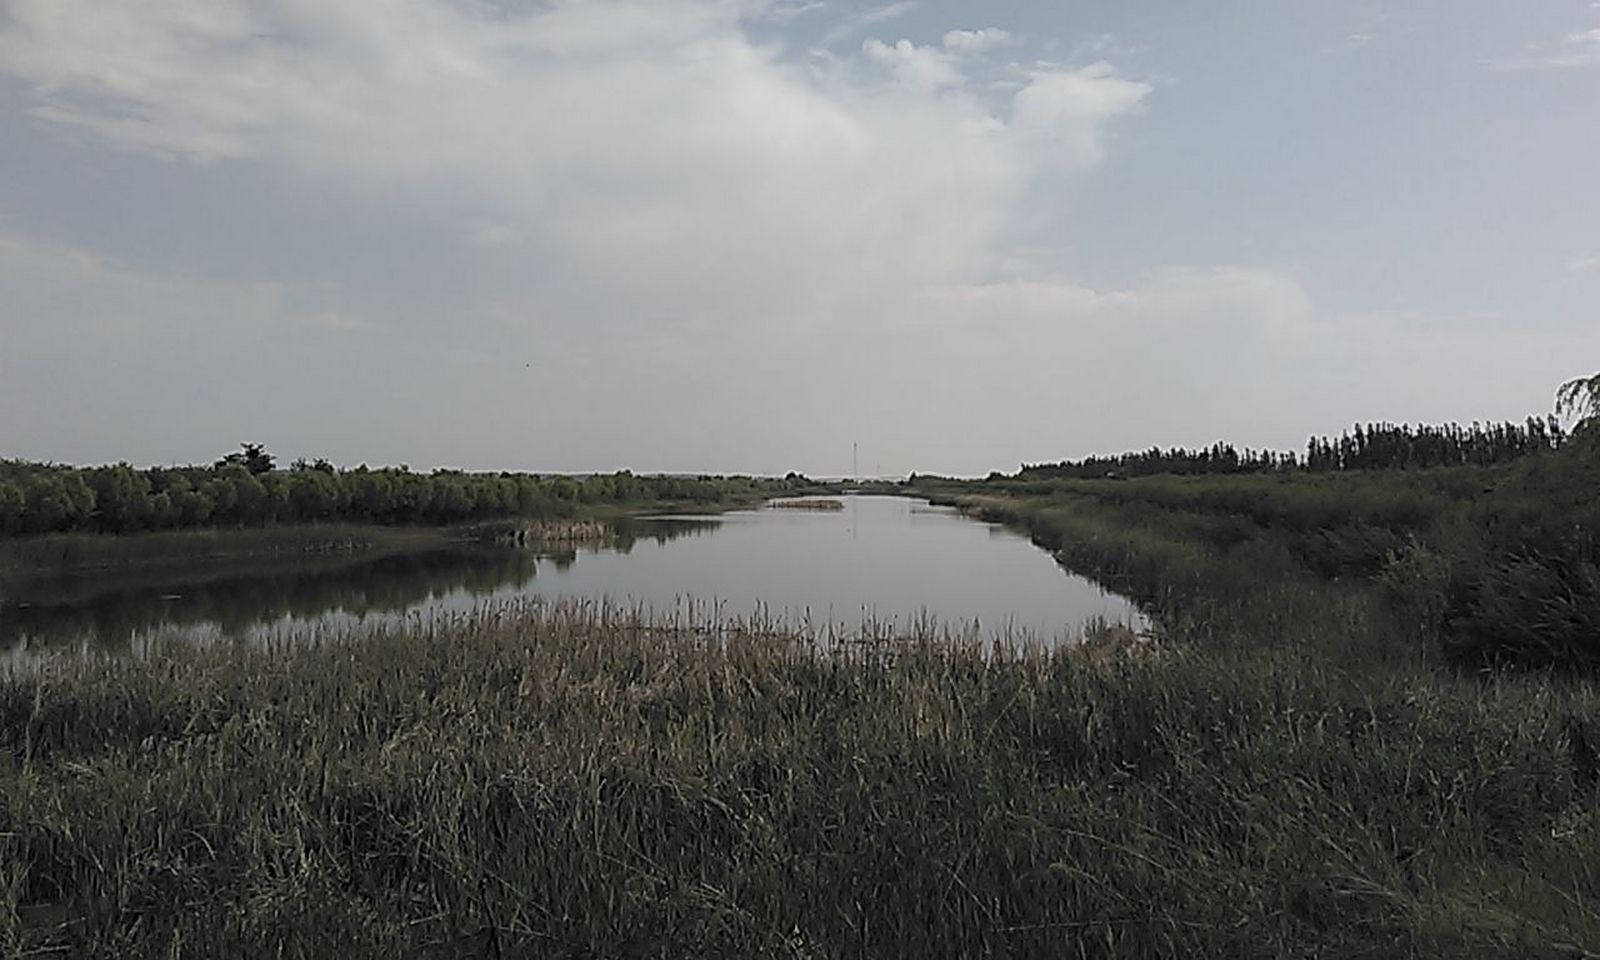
<point x="573" y="781"/>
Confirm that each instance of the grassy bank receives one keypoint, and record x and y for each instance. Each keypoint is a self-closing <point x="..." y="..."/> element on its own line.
<point x="290" y="543"/>
<point x="1479" y="568"/>
<point x="531" y="781"/>
<point x="80" y="553"/>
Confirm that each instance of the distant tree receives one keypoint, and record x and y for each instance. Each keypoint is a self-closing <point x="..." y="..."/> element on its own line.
<point x="321" y="465"/>
<point x="252" y="456"/>
<point x="372" y="494"/>
<point x="624" y="487"/>
<point x="12" y="506"/>
<point x="244" y="489"/>
<point x="57" y="501"/>
<point x="564" y="488"/>
<point x="194" y="506"/>
<point x="314" y="494"/>
<point x="122" y="498"/>
<point x="275" y="484"/>
<point x="163" y="512"/>
<point x="241" y="497"/>
<point x="223" y="499"/>
<point x="533" y="498"/>
<point x="1580" y="399"/>
<point x="452" y="498"/>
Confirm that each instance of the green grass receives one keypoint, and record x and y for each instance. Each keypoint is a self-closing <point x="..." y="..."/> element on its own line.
<point x="571" y="781"/>
<point x="1484" y="568"/>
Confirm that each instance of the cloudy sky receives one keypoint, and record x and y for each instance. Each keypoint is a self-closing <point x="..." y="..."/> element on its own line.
<point x="739" y="235"/>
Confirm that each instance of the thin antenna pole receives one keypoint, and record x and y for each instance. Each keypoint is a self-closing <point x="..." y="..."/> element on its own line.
<point x="855" y="462"/>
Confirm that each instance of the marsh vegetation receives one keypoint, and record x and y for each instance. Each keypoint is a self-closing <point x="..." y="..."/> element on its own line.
<point x="1370" y="727"/>
<point x="806" y="503"/>
<point x="533" y="780"/>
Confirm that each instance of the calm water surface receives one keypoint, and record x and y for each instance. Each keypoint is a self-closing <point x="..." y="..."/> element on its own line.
<point x="881" y="560"/>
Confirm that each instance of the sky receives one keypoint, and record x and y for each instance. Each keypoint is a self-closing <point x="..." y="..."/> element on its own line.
<point x="744" y="235"/>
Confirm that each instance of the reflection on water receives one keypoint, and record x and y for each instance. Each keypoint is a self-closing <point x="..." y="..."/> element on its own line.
<point x="70" y="610"/>
<point x="112" y="611"/>
<point x="883" y="559"/>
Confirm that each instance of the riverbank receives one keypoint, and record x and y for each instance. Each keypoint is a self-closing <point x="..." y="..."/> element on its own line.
<point x="93" y="553"/>
<point x="1484" y="570"/>
<point x="247" y="490"/>
<point x="88" y="554"/>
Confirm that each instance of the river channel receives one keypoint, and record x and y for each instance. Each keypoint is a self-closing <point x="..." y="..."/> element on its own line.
<point x="879" y="564"/>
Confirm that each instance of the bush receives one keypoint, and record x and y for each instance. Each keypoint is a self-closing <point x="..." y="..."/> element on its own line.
<point x="1528" y="610"/>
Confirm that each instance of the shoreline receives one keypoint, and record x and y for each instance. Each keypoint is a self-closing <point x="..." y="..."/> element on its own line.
<point x="63" y="555"/>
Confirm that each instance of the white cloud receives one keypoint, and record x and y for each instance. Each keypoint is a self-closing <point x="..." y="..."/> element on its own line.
<point x="1580" y="48"/>
<point x="118" y="358"/>
<point x="889" y="11"/>
<point x="644" y="234"/>
<point x="653" y="148"/>
<point x="921" y="69"/>
<point x="1584" y="264"/>
<point x="976" y="41"/>
<point x="1063" y="112"/>
<point x="692" y="225"/>
<point x="1198" y="302"/>
<point x="681" y="196"/>
<point x="857" y="22"/>
<point x="785" y="10"/>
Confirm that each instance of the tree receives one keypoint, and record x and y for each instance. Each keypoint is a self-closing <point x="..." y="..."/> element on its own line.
<point x="13" y="504"/>
<point x="372" y="494"/>
<point x="1580" y="399"/>
<point x="314" y="495"/>
<point x="252" y="456"/>
<point x="248" y="501"/>
<point x="194" y="506"/>
<point x="56" y="502"/>
<point x="122" y="498"/>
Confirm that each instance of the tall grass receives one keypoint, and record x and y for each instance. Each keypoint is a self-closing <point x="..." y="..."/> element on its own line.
<point x="1206" y="585"/>
<point x="1490" y="568"/>
<point x="572" y="780"/>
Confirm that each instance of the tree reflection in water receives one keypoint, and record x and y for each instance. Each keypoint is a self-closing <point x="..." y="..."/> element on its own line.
<point x="108" y="612"/>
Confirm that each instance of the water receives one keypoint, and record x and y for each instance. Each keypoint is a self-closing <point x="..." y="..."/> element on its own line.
<point x="882" y="561"/>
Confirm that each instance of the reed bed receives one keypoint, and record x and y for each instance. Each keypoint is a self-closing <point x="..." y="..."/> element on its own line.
<point x="807" y="503"/>
<point x="572" y="779"/>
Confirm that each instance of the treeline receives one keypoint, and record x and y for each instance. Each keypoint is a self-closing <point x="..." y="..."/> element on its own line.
<point x="1218" y="458"/>
<point x="1387" y="446"/>
<point x="1373" y="446"/>
<point x="246" y="489"/>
